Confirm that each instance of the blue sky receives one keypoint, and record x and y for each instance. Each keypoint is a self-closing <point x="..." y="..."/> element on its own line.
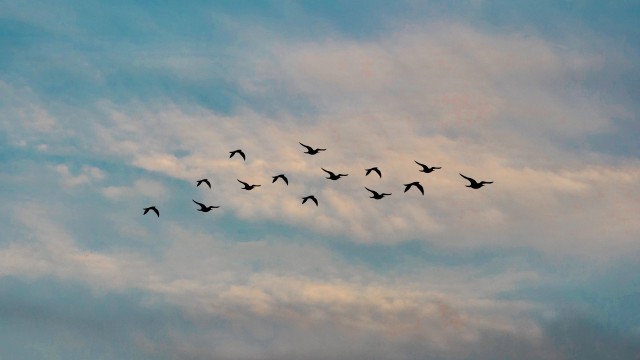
<point x="109" y="108"/>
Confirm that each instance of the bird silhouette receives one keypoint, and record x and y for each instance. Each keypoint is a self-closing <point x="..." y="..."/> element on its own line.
<point x="237" y="152"/>
<point x="152" y="208"/>
<point x="426" y="169"/>
<point x="247" y="186"/>
<point x="204" y="208"/>
<point x="204" y="181"/>
<point x="374" y="169"/>
<point x="281" y="176"/>
<point x="416" y="184"/>
<point x="375" y="194"/>
<point x="310" y="197"/>
<point x="333" y="176"/>
<point x="310" y="150"/>
<point x="474" y="184"/>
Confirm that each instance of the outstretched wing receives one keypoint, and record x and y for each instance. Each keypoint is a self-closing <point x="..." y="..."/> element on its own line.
<point x="373" y="192"/>
<point x="419" y="187"/>
<point x="242" y="182"/>
<point x="307" y="146"/>
<point x="328" y="172"/>
<point x="470" y="179"/>
<point x="377" y="172"/>
<point x="313" y="198"/>
<point x="242" y="154"/>
<point x="423" y="165"/>
<point x="285" y="179"/>
<point x="201" y="204"/>
<point x="156" y="211"/>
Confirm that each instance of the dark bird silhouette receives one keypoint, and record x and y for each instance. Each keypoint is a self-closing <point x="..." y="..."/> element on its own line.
<point x="474" y="184"/>
<point x="375" y="169"/>
<point x="152" y="208"/>
<point x="310" y="150"/>
<point x="204" y="181"/>
<point x="247" y="186"/>
<point x="333" y="176"/>
<point x="204" y="208"/>
<point x="237" y="152"/>
<point x="426" y="169"/>
<point x="310" y="197"/>
<point x="416" y="184"/>
<point x="375" y="194"/>
<point x="281" y="176"/>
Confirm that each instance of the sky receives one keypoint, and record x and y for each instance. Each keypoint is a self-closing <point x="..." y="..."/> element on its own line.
<point x="110" y="107"/>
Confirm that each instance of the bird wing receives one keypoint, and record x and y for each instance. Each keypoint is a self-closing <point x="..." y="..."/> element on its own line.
<point x="208" y="183"/>
<point x="468" y="178"/>
<point x="377" y="171"/>
<point x="285" y="179"/>
<point x="419" y="188"/>
<point x="307" y="146"/>
<point x="486" y="182"/>
<point x="373" y="192"/>
<point x="328" y="172"/>
<point x="275" y="178"/>
<point x="423" y="165"/>
<point x="156" y="211"/>
<point x="201" y="204"/>
<point x="242" y="154"/>
<point x="242" y="182"/>
<point x="315" y="200"/>
<point x="367" y="171"/>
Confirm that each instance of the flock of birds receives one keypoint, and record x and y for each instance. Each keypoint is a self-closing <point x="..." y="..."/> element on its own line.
<point x="331" y="176"/>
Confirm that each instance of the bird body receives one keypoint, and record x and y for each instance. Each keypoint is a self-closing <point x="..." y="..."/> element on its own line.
<point x="310" y="150"/>
<point x="416" y="184"/>
<point x="333" y="176"/>
<point x="475" y="184"/>
<point x="375" y="194"/>
<point x="281" y="176"/>
<point x="247" y="186"/>
<point x="204" y="181"/>
<point x="240" y="152"/>
<point x="426" y="169"/>
<point x="374" y="169"/>
<point x="204" y="208"/>
<point x="152" y="208"/>
<point x="310" y="197"/>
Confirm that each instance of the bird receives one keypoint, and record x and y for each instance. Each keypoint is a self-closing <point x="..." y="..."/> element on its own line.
<point x="426" y="169"/>
<point x="281" y="176"/>
<point x="333" y="176"/>
<point x="203" y="181"/>
<point x="313" y="198"/>
<point x="152" y="208"/>
<point x="375" y="194"/>
<point x="474" y="184"/>
<point x="247" y="186"/>
<point x="204" y="208"/>
<point x="310" y="150"/>
<point x="375" y="169"/>
<point x="416" y="184"/>
<point x="237" y="152"/>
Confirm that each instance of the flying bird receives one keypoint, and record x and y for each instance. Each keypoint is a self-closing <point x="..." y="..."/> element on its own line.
<point x="237" y="152"/>
<point x="375" y="194"/>
<point x="310" y="150"/>
<point x="247" y="186"/>
<point x="281" y="176"/>
<point x="310" y="197"/>
<point x="426" y="169"/>
<point x="152" y="208"/>
<point x="374" y="169"/>
<point x="333" y="176"/>
<point x="416" y="184"/>
<point x="204" y="208"/>
<point x="474" y="184"/>
<point x="204" y="181"/>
